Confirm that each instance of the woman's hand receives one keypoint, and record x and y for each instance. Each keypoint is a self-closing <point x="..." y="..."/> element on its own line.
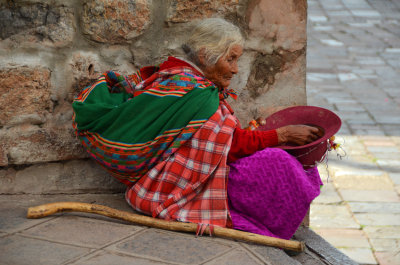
<point x="298" y="134"/>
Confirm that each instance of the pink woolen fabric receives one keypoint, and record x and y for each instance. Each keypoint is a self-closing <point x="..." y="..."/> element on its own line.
<point x="269" y="193"/>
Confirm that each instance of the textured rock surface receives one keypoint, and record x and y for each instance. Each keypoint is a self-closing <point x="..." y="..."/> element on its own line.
<point x="115" y="21"/>
<point x="25" y="95"/>
<point x="36" y="23"/>
<point x="184" y="11"/>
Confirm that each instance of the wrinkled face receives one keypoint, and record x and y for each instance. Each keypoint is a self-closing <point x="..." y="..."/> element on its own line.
<point x="222" y="72"/>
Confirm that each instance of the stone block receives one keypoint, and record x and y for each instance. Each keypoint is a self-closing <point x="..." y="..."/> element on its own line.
<point x="16" y="249"/>
<point x="114" y="22"/>
<point x="27" y="144"/>
<point x="331" y="216"/>
<point x="386" y="244"/>
<point x="235" y="257"/>
<point x="360" y="255"/>
<point x="76" y="176"/>
<point x="326" y="251"/>
<point x="375" y="207"/>
<point x="387" y="257"/>
<point x="81" y="231"/>
<point x="86" y="68"/>
<point x="382" y="231"/>
<point x="185" y="11"/>
<point x="273" y="255"/>
<point x="344" y="238"/>
<point x="370" y="195"/>
<point x="363" y="182"/>
<point x="38" y="23"/>
<point x="378" y="219"/>
<point x="328" y="195"/>
<point x="277" y="24"/>
<point x="105" y="258"/>
<point x="25" y="94"/>
<point x="157" y="245"/>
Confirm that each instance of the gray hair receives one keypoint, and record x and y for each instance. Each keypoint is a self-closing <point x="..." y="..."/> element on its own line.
<point x="216" y="36"/>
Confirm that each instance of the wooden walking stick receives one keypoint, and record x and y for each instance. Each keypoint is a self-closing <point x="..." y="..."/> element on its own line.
<point x="57" y="207"/>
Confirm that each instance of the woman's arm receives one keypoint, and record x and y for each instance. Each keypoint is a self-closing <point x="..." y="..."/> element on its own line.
<point x="246" y="142"/>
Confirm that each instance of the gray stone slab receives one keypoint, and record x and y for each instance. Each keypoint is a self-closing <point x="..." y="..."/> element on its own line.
<point x="328" y="195"/>
<point x="382" y="231"/>
<point x="171" y="247"/>
<point x="395" y="177"/>
<point x="331" y="216"/>
<point x="387" y="258"/>
<point x="378" y="219"/>
<point x="354" y="182"/>
<point x="13" y="218"/>
<point x="106" y="258"/>
<point x="309" y="258"/>
<point x="272" y="255"/>
<point x="360" y="255"/>
<point x="375" y="207"/>
<point x="235" y="257"/>
<point x="325" y="251"/>
<point x="18" y="250"/>
<point x="89" y="232"/>
<point x="344" y="238"/>
<point x="369" y="195"/>
<point x="386" y="244"/>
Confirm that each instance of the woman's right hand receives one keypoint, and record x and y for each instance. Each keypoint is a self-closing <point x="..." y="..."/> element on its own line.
<point x="298" y="134"/>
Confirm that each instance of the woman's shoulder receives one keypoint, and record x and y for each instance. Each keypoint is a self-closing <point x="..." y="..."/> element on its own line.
<point x="189" y="79"/>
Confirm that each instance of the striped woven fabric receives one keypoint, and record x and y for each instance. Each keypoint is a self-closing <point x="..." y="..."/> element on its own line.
<point x="121" y="120"/>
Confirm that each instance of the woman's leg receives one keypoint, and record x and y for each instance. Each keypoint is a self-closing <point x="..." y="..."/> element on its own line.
<point x="270" y="193"/>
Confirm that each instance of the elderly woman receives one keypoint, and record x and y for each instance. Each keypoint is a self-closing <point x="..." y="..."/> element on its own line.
<point x="169" y="135"/>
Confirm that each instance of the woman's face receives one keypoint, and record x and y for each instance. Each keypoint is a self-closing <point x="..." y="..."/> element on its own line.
<point x="222" y="72"/>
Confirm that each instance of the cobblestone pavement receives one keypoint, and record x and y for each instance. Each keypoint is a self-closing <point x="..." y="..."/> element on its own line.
<point x="353" y="68"/>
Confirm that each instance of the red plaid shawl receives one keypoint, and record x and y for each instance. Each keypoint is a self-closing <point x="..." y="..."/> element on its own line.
<point x="191" y="185"/>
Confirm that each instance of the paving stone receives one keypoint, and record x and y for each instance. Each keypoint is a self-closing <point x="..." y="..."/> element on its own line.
<point x="309" y="258"/>
<point x="328" y="195"/>
<point x="381" y="182"/>
<point x="235" y="257"/>
<point x="326" y="251"/>
<point x="370" y="207"/>
<point x="13" y="218"/>
<point x="369" y="195"/>
<point x="82" y="231"/>
<point x="171" y="247"/>
<point x="343" y="238"/>
<point x="382" y="231"/>
<point x="388" y="258"/>
<point x="331" y="216"/>
<point x="389" y="163"/>
<point x="377" y="219"/>
<point x="360" y="255"/>
<point x="105" y="258"/>
<point x="386" y="244"/>
<point x="20" y="250"/>
<point x="272" y="255"/>
<point x="395" y="178"/>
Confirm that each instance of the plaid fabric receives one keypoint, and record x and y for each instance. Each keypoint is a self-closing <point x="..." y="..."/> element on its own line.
<point x="190" y="186"/>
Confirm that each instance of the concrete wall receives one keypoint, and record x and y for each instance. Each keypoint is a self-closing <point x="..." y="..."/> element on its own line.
<point x="49" y="50"/>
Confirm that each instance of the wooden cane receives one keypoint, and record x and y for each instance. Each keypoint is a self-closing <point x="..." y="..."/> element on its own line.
<point x="57" y="207"/>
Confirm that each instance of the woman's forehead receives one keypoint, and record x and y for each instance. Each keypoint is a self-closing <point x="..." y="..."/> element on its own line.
<point x="236" y="50"/>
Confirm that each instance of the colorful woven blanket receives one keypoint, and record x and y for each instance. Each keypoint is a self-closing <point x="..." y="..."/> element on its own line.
<point x="129" y="124"/>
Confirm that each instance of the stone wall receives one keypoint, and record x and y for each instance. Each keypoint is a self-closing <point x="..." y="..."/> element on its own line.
<point x="49" y="50"/>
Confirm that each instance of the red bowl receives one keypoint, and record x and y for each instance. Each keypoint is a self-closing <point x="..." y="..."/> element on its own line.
<point x="327" y="121"/>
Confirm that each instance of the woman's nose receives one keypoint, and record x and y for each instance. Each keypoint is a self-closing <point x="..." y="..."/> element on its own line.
<point x="234" y="68"/>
